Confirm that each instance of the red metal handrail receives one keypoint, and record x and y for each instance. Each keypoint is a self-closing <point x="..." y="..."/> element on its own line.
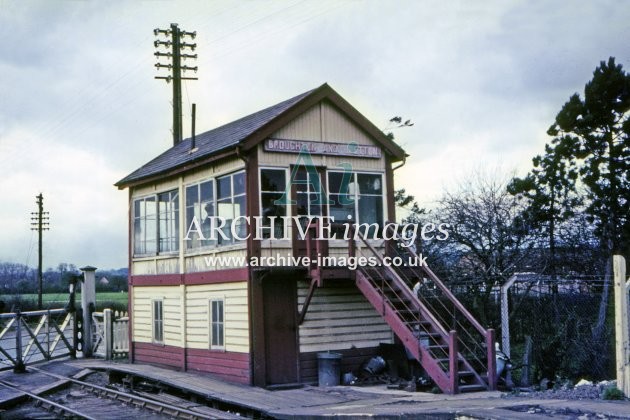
<point x="447" y="292"/>
<point x="408" y="294"/>
<point x="487" y="334"/>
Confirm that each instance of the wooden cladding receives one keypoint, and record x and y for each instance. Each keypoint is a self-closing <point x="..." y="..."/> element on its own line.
<point x="324" y="123"/>
<point x="339" y="318"/>
<point x="143" y="314"/>
<point x="236" y="323"/>
<point x="188" y="324"/>
<point x="233" y="367"/>
<point x="168" y="356"/>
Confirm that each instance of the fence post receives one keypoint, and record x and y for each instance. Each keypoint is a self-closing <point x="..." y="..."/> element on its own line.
<point x="108" y="333"/>
<point x="505" y="325"/>
<point x="526" y="372"/>
<point x="48" y="335"/>
<point x="75" y="334"/>
<point x="19" y="362"/>
<point x="492" y="361"/>
<point x="88" y="305"/>
<point x="622" y="343"/>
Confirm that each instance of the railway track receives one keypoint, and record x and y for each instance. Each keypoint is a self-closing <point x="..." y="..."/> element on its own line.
<point x="47" y="404"/>
<point x="160" y="405"/>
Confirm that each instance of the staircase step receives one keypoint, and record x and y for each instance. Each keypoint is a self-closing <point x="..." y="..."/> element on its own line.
<point x="472" y="388"/>
<point x="419" y="328"/>
<point x="466" y="373"/>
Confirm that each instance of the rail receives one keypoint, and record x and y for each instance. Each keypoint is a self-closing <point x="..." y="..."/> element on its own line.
<point x="189" y="411"/>
<point x="48" y="404"/>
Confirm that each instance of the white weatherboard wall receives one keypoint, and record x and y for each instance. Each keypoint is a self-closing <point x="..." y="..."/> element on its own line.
<point x="197" y="314"/>
<point x="172" y="312"/>
<point x="339" y="318"/>
<point x="236" y="315"/>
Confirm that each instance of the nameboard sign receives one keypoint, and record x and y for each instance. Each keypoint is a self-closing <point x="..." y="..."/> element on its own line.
<point x="321" y="148"/>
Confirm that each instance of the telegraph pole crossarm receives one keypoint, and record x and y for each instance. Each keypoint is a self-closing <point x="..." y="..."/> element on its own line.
<point x="176" y="44"/>
<point x="39" y="222"/>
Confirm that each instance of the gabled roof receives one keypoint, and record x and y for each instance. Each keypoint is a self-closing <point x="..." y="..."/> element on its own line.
<point x="248" y="131"/>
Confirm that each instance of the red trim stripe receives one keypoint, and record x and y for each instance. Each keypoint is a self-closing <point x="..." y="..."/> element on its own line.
<point x="205" y="277"/>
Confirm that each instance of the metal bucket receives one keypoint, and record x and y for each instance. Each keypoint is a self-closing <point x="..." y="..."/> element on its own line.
<point x="375" y="365"/>
<point x="328" y="368"/>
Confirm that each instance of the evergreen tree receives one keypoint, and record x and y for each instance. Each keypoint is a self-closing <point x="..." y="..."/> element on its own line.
<point x="549" y="191"/>
<point x="596" y="132"/>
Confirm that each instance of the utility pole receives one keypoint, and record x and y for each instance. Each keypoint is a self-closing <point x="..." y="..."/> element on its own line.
<point x="174" y="37"/>
<point x="39" y="222"/>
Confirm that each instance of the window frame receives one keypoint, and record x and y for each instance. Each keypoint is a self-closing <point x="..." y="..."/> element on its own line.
<point x="287" y="206"/>
<point x="156" y="222"/>
<point x="219" y="242"/>
<point x="141" y="220"/>
<point x="211" y="323"/>
<point x="172" y="222"/>
<point x="196" y="244"/>
<point x="310" y="192"/>
<point x="157" y="338"/>
<point x="232" y="197"/>
<point x="357" y="196"/>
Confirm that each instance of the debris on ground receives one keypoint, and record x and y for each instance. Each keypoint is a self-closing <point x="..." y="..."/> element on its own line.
<point x="378" y="371"/>
<point x="583" y="390"/>
<point x="584" y="382"/>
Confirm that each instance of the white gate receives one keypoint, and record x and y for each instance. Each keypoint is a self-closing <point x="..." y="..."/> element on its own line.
<point x="110" y="334"/>
<point x="37" y="335"/>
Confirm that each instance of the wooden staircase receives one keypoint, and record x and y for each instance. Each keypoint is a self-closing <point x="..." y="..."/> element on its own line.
<point x="450" y="344"/>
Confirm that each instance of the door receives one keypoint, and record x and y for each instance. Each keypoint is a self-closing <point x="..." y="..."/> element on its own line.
<point x="280" y="326"/>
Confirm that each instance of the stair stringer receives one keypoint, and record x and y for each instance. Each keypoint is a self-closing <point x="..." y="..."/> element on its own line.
<point x="405" y="334"/>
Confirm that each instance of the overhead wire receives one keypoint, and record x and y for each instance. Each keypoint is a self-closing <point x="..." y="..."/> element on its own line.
<point x="76" y="104"/>
<point x="250" y="43"/>
<point x="29" y="250"/>
<point x="61" y="122"/>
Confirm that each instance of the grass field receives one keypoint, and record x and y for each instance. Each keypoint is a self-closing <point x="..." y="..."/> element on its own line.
<point x="59" y="300"/>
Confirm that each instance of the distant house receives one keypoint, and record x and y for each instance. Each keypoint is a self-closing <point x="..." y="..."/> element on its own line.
<point x="193" y="308"/>
<point x="103" y="281"/>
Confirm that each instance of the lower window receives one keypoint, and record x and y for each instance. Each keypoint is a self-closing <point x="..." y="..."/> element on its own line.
<point x="157" y="316"/>
<point x="217" y="324"/>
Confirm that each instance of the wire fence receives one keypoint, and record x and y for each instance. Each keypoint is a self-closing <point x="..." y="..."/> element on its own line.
<point x="559" y="329"/>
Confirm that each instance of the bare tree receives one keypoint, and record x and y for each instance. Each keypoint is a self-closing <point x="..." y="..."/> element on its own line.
<point x="488" y="240"/>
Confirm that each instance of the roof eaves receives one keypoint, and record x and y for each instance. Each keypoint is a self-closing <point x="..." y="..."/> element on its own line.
<point x="200" y="161"/>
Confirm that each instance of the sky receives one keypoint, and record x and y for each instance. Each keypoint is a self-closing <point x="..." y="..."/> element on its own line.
<point x="80" y="108"/>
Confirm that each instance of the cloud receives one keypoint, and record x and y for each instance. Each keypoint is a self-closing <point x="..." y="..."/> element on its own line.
<point x="85" y="210"/>
<point x="80" y="107"/>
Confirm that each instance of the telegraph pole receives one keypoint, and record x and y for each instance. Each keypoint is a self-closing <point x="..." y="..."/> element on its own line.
<point x="39" y="222"/>
<point x="174" y="37"/>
